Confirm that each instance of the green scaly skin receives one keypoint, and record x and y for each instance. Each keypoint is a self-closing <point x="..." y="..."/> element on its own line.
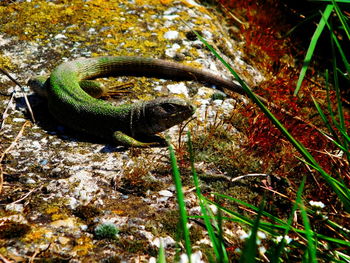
<point x="71" y="101"/>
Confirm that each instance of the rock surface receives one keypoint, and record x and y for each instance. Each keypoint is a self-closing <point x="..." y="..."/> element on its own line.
<point x="59" y="185"/>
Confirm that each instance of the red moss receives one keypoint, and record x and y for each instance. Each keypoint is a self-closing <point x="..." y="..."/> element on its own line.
<point x="264" y="24"/>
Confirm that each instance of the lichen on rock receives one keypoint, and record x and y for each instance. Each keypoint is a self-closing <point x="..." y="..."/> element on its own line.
<point x="70" y="183"/>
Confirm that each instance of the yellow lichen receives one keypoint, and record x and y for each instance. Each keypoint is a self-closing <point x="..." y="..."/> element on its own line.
<point x="37" y="235"/>
<point x="84" y="245"/>
<point x="6" y="63"/>
<point x="52" y="210"/>
<point x="56" y="213"/>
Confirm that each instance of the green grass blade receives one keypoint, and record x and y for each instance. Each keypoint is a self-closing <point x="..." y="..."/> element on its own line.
<point x="279" y="224"/>
<point x="343" y="256"/>
<point x="250" y="247"/>
<point x="252" y="207"/>
<point x="340" y="188"/>
<point x="330" y="129"/>
<point x="181" y="201"/>
<point x="343" y="74"/>
<point x="300" y="147"/>
<point x="272" y="228"/>
<point x="222" y="250"/>
<point x="336" y="124"/>
<point x="330" y="110"/>
<point x="335" y="142"/>
<point x="336" y="42"/>
<point x="342" y="126"/>
<point x="336" y="84"/>
<point x="338" y="1"/>
<point x="218" y="245"/>
<point x="313" y="42"/>
<point x="342" y="18"/>
<point x="236" y="217"/>
<point x="345" y="135"/>
<point x="311" y="247"/>
<point x="281" y="245"/>
<point x="305" y="21"/>
<point x="324" y="118"/>
<point x="161" y="254"/>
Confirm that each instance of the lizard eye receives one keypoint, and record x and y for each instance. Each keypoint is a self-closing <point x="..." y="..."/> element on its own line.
<point x="168" y="107"/>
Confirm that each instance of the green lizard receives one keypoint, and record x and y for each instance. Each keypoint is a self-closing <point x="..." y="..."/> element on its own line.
<point x="73" y="98"/>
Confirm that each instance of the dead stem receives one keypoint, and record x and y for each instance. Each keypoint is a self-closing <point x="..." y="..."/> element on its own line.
<point x="5" y="260"/>
<point x="38" y="252"/>
<point x="25" y="196"/>
<point x="2" y="156"/>
<point x="4" y="115"/>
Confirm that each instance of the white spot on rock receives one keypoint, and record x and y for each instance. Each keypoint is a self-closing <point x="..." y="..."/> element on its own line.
<point x="171" y="52"/>
<point x="179" y="88"/>
<point x="171" y="35"/>
<point x="166" y="241"/>
<point x="14" y="208"/>
<point x="60" y="36"/>
<point x="18" y="120"/>
<point x="165" y="193"/>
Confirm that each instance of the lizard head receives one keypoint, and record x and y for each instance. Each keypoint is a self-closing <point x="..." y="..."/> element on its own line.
<point x="162" y="113"/>
<point x="39" y="85"/>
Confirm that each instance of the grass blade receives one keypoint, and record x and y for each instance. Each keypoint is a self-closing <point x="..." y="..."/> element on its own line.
<point x="338" y="1"/>
<point x="330" y="129"/>
<point x="335" y="142"/>
<point x="298" y="146"/>
<point x="279" y="224"/>
<point x="324" y="118"/>
<point x="342" y="126"/>
<point x="161" y="254"/>
<point x="336" y="42"/>
<point x="313" y="42"/>
<point x="311" y="247"/>
<point x="218" y="245"/>
<point x="281" y="245"/>
<point x="342" y="18"/>
<point x="252" y="207"/>
<point x="250" y="247"/>
<point x="181" y="201"/>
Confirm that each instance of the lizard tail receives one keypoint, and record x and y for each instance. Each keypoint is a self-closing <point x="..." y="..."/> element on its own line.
<point x="107" y="66"/>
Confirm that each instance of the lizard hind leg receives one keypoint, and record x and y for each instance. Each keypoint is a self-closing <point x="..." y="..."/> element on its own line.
<point x="39" y="85"/>
<point x="93" y="88"/>
<point x="97" y="90"/>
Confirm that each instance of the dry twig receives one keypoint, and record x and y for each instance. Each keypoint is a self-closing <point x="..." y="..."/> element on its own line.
<point x="25" y="196"/>
<point x="5" y="260"/>
<point x="4" y="115"/>
<point x="2" y="156"/>
<point x="38" y="252"/>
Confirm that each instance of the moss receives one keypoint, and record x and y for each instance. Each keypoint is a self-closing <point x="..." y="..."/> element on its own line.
<point x="138" y="177"/>
<point x="10" y="229"/>
<point x="87" y="212"/>
<point x="168" y="221"/>
<point x="137" y="245"/>
<point x="106" y="231"/>
<point x="218" y="147"/>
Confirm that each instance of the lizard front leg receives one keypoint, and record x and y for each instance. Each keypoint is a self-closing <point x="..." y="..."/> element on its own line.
<point x="121" y="138"/>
